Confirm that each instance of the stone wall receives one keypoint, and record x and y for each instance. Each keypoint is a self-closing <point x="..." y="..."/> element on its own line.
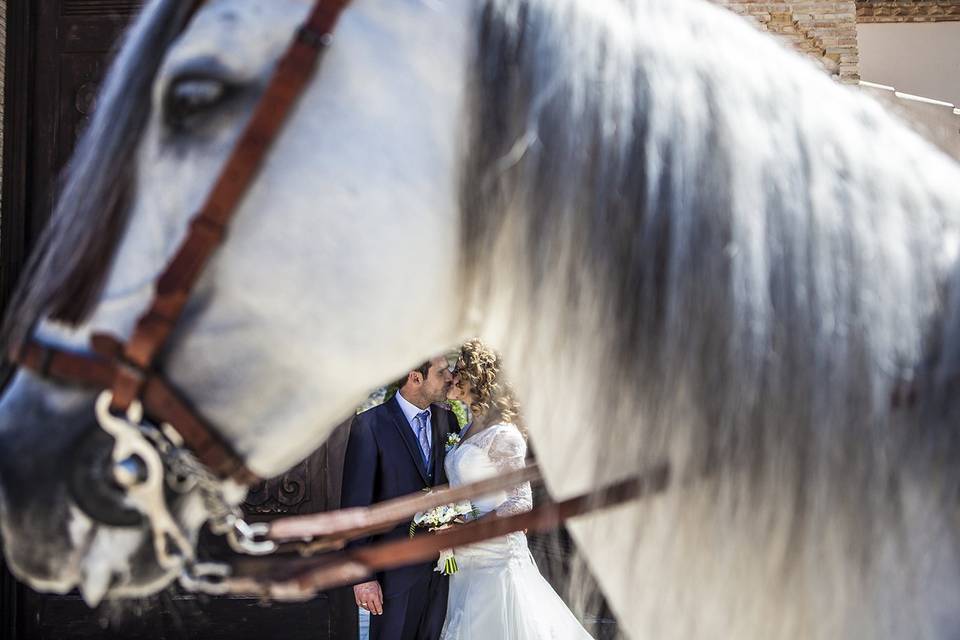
<point x="825" y="30"/>
<point x="871" y="11"/>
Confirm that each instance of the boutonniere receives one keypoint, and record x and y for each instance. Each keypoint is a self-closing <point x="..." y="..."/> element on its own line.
<point x="453" y="439"/>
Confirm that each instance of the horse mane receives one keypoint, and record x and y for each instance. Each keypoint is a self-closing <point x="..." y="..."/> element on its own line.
<point x="66" y="271"/>
<point x="732" y="263"/>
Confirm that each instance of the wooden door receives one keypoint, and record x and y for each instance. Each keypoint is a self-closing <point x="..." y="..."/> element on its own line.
<point x="57" y="54"/>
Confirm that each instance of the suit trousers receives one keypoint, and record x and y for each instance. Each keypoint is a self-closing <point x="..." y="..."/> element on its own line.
<point x="415" y="614"/>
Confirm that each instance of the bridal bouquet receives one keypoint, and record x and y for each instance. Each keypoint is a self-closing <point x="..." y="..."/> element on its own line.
<point x="438" y="519"/>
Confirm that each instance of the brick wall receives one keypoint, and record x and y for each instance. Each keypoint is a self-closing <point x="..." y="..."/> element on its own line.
<point x="825" y="30"/>
<point x="869" y="11"/>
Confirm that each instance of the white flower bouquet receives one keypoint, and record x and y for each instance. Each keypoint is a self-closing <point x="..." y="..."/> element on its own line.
<point x="438" y="519"/>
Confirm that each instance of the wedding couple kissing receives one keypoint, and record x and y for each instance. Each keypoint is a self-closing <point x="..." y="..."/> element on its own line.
<point x="403" y="446"/>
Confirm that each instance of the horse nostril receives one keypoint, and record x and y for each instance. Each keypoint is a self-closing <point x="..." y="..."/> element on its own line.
<point x="130" y="472"/>
<point x="97" y="483"/>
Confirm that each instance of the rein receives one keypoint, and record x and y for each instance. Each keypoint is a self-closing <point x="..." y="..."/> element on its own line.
<point x="161" y="443"/>
<point x="302" y="578"/>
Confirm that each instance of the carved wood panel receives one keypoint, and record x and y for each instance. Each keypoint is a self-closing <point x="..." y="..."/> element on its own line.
<point x="285" y="494"/>
<point x="311" y="486"/>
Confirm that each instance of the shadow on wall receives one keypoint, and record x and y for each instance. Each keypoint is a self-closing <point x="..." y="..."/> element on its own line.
<point x="935" y="120"/>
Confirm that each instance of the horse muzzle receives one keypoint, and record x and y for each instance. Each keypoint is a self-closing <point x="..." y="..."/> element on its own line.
<point x="56" y="470"/>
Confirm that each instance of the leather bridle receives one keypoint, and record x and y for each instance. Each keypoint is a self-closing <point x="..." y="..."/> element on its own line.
<point x="127" y="369"/>
<point x="158" y="435"/>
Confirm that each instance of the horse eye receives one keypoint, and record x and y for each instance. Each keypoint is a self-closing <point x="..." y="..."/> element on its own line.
<point x="189" y="98"/>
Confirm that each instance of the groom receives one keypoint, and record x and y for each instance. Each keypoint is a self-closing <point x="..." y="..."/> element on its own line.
<point x="395" y="449"/>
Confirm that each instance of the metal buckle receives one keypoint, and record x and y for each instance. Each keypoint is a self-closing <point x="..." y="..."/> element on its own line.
<point x="312" y="38"/>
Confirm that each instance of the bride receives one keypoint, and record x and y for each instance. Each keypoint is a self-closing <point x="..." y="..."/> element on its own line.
<point x="498" y="591"/>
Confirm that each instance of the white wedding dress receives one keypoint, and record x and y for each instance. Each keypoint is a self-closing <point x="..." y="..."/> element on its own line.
<point x="498" y="592"/>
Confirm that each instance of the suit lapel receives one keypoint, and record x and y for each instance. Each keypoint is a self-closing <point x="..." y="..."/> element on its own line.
<point x="406" y="434"/>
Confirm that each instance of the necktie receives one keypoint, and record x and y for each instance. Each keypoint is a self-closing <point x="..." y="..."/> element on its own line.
<point x="423" y="423"/>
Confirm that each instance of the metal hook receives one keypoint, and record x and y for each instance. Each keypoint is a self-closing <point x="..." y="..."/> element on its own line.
<point x="146" y="496"/>
<point x="206" y="577"/>
<point x="250" y="538"/>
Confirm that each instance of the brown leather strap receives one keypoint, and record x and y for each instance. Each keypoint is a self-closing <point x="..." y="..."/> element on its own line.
<point x="208" y="227"/>
<point x="300" y="578"/>
<point x="333" y="529"/>
<point x="130" y="365"/>
<point x="64" y="366"/>
<point x="161" y="402"/>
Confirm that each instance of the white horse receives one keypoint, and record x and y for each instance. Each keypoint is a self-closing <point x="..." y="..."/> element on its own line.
<point x="690" y="245"/>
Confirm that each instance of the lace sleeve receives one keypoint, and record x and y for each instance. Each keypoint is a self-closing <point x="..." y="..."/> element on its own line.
<point x="508" y="451"/>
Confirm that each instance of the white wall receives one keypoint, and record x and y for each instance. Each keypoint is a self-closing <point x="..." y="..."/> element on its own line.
<point x="938" y="124"/>
<point x="918" y="58"/>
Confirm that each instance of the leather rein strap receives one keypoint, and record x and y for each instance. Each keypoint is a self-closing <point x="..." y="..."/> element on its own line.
<point x="128" y="369"/>
<point x="301" y="578"/>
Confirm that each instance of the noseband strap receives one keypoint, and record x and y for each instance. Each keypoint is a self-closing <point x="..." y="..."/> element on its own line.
<point x="128" y="369"/>
<point x="160" y="400"/>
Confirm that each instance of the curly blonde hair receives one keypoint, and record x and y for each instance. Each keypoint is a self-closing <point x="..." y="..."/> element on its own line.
<point x="480" y="365"/>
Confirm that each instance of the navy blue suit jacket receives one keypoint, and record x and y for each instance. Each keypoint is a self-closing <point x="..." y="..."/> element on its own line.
<point x="383" y="461"/>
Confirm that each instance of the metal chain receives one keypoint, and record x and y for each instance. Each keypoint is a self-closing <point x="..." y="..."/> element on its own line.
<point x="185" y="472"/>
<point x="180" y="470"/>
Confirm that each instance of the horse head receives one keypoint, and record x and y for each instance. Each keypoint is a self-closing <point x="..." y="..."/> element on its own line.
<point x="290" y="326"/>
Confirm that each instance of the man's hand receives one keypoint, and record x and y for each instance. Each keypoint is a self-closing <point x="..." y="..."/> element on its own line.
<point x="369" y="596"/>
